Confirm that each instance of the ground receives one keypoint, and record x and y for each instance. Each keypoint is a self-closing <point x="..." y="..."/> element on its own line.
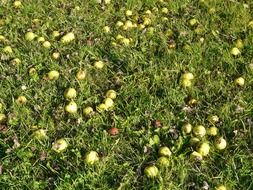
<point x="171" y="63"/>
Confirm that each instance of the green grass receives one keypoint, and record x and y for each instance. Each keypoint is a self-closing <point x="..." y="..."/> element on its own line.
<point x="146" y="76"/>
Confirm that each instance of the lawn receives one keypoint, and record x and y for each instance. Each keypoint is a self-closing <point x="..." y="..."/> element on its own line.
<point x="126" y="94"/>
